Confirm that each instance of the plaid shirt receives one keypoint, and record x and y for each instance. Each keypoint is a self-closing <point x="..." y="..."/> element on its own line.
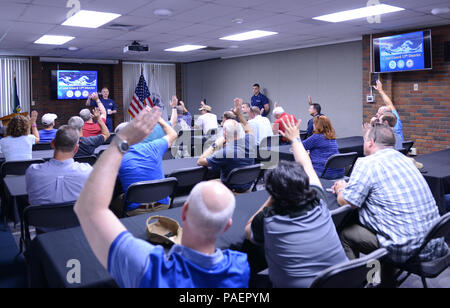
<point x="396" y="203"/>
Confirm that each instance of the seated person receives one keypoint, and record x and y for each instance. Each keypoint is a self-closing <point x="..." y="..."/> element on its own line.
<point x="396" y="206"/>
<point x="389" y="119"/>
<point x="314" y="111"/>
<point x="295" y="225"/>
<point x="60" y="179"/>
<point x="87" y="145"/>
<point x="92" y="124"/>
<point x="207" y="121"/>
<point x="321" y="145"/>
<point x="238" y="150"/>
<point x="18" y="145"/>
<point x="277" y="127"/>
<point x="47" y="134"/>
<point x="143" y="162"/>
<point x="260" y="125"/>
<point x="136" y="263"/>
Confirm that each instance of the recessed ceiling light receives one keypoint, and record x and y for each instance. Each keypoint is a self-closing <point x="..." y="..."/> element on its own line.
<point x="54" y="39"/>
<point x="248" y="35"/>
<point x="373" y="10"/>
<point x="234" y="46"/>
<point x="163" y="12"/>
<point x="73" y="48"/>
<point x="238" y="21"/>
<point x="185" y="48"/>
<point x="90" y="19"/>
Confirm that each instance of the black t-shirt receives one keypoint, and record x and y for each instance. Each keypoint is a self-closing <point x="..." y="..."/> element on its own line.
<point x="88" y="145"/>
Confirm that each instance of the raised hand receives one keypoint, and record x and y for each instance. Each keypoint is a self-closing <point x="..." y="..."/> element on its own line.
<point x="96" y="114"/>
<point x="34" y="116"/>
<point x="310" y="100"/>
<point x="238" y="105"/>
<point x="141" y="126"/>
<point x="291" y="130"/>
<point x="174" y="101"/>
<point x="275" y="105"/>
<point x="379" y="86"/>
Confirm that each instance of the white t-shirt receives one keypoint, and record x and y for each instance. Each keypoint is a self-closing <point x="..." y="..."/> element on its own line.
<point x="261" y="128"/>
<point x="207" y="122"/>
<point x="17" y="148"/>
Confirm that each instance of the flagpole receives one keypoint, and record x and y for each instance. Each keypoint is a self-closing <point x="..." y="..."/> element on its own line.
<point x="143" y="92"/>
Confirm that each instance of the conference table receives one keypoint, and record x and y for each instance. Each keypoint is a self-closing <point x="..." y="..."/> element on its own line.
<point x="345" y="145"/>
<point x="43" y="154"/>
<point x="436" y="171"/>
<point x="50" y="252"/>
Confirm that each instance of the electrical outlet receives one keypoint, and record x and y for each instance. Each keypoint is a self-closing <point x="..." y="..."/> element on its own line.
<point x="416" y="87"/>
<point x="370" y="99"/>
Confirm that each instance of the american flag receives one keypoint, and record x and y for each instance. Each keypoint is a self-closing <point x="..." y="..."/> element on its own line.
<point x="141" y="98"/>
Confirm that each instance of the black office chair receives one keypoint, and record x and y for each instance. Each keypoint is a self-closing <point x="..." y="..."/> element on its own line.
<point x="110" y="138"/>
<point x="407" y="145"/>
<point x="12" y="168"/>
<point x="342" y="160"/>
<point x="403" y="151"/>
<point x="42" y="147"/>
<point x="244" y="175"/>
<point x="341" y="215"/>
<point x="428" y="269"/>
<point x="86" y="159"/>
<point x="151" y="191"/>
<point x="168" y="155"/>
<point x="352" y="274"/>
<point x="270" y="141"/>
<point x="187" y="178"/>
<point x="52" y="216"/>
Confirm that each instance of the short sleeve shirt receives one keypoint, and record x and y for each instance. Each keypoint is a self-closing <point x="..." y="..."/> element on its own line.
<point x="17" y="148"/>
<point x="46" y="136"/>
<point x="259" y="101"/>
<point x="88" y="145"/>
<point x="134" y="263"/>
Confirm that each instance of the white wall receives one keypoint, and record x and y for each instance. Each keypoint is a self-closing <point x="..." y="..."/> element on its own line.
<point x="332" y="75"/>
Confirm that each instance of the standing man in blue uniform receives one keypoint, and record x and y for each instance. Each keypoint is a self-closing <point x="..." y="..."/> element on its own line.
<point x="109" y="104"/>
<point x="259" y="100"/>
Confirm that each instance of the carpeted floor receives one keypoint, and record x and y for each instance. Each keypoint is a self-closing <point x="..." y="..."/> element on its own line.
<point x="13" y="273"/>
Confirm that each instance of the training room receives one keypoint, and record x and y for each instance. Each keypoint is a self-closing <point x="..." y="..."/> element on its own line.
<point x="229" y="144"/>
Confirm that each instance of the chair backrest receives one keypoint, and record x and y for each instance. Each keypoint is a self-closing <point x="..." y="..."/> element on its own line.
<point x="244" y="175"/>
<point x="190" y="176"/>
<point x="403" y="151"/>
<point x="339" y="215"/>
<point x="18" y="167"/>
<point x="42" y="146"/>
<point x="407" y="145"/>
<point x="342" y="160"/>
<point x="111" y="136"/>
<point x="270" y="141"/>
<point x="352" y="274"/>
<point x="52" y="216"/>
<point x="151" y="191"/>
<point x="441" y="228"/>
<point x="86" y="159"/>
<point x="168" y="154"/>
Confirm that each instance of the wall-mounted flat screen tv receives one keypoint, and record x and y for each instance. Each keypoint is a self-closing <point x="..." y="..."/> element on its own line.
<point x="403" y="52"/>
<point x="73" y="84"/>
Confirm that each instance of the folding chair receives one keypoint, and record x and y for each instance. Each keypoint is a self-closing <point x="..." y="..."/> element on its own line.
<point x="352" y="274"/>
<point x="407" y="145"/>
<point x="86" y="159"/>
<point x="51" y="216"/>
<point x="42" y="146"/>
<point x="13" y="168"/>
<point x="341" y="215"/>
<point x="428" y="269"/>
<point x="244" y="175"/>
<point x="341" y="161"/>
<point x="151" y="191"/>
<point x="187" y="178"/>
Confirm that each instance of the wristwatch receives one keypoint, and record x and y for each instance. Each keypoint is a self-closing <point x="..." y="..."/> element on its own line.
<point x="122" y="145"/>
<point x="214" y="145"/>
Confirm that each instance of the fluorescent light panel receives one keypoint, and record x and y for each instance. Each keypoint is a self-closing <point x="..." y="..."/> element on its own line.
<point x="54" y="39"/>
<point x="185" y="48"/>
<point x="90" y="19"/>
<point x="248" y="35"/>
<point x="373" y="10"/>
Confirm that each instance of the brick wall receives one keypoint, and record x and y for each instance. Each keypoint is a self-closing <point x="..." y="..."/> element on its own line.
<point x="425" y="114"/>
<point x="110" y="76"/>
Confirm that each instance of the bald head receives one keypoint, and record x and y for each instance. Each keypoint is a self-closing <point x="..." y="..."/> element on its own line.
<point x="232" y="130"/>
<point x="211" y="206"/>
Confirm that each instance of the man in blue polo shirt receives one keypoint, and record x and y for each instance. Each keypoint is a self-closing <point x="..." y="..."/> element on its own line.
<point x="135" y="263"/>
<point x="109" y="104"/>
<point x="259" y="100"/>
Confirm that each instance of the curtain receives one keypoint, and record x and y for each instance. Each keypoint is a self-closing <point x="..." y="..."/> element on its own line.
<point x="21" y="67"/>
<point x="160" y="80"/>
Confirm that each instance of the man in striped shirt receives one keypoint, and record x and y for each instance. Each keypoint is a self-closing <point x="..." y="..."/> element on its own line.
<point x="396" y="206"/>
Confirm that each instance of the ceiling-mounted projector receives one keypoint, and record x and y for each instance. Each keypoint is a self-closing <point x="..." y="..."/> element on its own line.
<point x="136" y="47"/>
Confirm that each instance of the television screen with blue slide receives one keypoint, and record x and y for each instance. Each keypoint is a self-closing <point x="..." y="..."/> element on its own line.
<point x="404" y="52"/>
<point x="76" y="84"/>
